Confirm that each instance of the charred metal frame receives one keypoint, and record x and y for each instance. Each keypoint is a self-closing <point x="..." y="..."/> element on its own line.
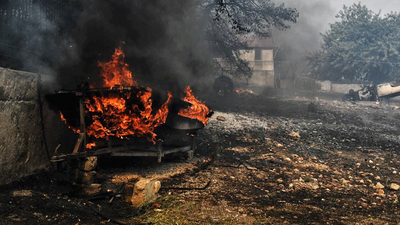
<point x="80" y="150"/>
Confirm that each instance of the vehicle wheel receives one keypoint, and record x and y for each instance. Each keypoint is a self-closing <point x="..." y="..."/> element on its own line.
<point x="223" y="86"/>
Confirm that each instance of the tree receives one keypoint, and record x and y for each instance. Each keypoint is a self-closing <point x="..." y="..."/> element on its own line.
<point x="232" y="24"/>
<point x="362" y="46"/>
<point x="172" y="43"/>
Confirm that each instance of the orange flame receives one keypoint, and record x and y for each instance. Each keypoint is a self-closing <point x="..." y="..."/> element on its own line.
<point x="198" y="110"/>
<point x="91" y="145"/>
<point x="114" y="116"/>
<point x="116" y="72"/>
<point x="245" y="91"/>
<point x="70" y="127"/>
<point x="129" y="113"/>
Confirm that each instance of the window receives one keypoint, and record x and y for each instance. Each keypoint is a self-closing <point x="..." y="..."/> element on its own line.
<point x="257" y="54"/>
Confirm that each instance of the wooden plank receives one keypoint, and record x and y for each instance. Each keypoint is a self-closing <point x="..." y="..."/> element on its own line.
<point x="78" y="143"/>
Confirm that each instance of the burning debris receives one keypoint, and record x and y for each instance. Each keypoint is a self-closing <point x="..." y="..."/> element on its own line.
<point x="121" y="109"/>
<point x="242" y="91"/>
<point x="116" y="72"/>
<point x="117" y="116"/>
<point x="197" y="110"/>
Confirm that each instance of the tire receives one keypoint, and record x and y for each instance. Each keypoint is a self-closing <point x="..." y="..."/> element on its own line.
<point x="223" y="86"/>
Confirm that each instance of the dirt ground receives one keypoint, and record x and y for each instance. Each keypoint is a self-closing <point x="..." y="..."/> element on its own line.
<point x="266" y="159"/>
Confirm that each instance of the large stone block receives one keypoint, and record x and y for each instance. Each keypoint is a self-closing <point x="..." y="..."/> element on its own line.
<point x="22" y="146"/>
<point x="88" y="164"/>
<point x="21" y="141"/>
<point x="18" y="85"/>
<point x="142" y="192"/>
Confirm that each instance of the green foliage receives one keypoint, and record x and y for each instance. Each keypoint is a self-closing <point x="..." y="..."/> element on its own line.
<point x="362" y="46"/>
<point x="231" y="20"/>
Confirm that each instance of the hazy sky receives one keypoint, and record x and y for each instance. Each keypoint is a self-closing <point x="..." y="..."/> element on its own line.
<point x="386" y="6"/>
<point x="315" y="16"/>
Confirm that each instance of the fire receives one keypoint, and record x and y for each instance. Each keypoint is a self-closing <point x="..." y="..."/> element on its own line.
<point x="197" y="110"/>
<point x="245" y="91"/>
<point x="119" y="114"/>
<point x="116" y="117"/>
<point x="70" y="127"/>
<point x="116" y="72"/>
<point x="129" y="111"/>
<point x="91" y="145"/>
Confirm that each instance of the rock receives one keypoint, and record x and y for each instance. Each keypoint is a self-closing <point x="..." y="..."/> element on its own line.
<point x="142" y="192"/>
<point x="381" y="193"/>
<point x="221" y="118"/>
<point x="89" y="164"/>
<point x="84" y="172"/>
<point x="394" y="186"/>
<point x="91" y="189"/>
<point x="80" y="177"/>
<point x="279" y="145"/>
<point x="295" y="135"/>
<point x="22" y="193"/>
<point x="344" y="181"/>
<point x="379" y="186"/>
<point x="301" y="185"/>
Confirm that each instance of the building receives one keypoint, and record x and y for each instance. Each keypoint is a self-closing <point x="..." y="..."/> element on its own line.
<point x="260" y="56"/>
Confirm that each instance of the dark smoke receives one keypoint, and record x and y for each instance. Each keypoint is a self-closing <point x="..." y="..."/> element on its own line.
<point x="163" y="42"/>
<point x="33" y="36"/>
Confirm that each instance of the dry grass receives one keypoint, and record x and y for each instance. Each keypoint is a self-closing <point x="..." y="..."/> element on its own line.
<point x="171" y="210"/>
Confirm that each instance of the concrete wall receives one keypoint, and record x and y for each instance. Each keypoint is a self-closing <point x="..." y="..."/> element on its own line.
<point x="263" y="70"/>
<point x="262" y="78"/>
<point x="22" y="147"/>
<point x="344" y="88"/>
<point x="328" y="86"/>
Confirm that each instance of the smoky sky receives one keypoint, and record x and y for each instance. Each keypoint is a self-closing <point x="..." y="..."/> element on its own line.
<point x="162" y="40"/>
<point x="32" y="36"/>
<point x="304" y="37"/>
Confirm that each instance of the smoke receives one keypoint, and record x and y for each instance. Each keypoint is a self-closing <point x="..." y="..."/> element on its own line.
<point x="163" y="42"/>
<point x="304" y="37"/>
<point x="30" y="40"/>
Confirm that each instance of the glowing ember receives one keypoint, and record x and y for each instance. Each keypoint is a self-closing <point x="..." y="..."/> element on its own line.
<point x="70" y="127"/>
<point x="197" y="110"/>
<point x="245" y="91"/>
<point x="115" y="116"/>
<point x="116" y="72"/>
<point x="90" y="145"/>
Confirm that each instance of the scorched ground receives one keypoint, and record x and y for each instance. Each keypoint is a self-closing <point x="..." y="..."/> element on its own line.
<point x="266" y="159"/>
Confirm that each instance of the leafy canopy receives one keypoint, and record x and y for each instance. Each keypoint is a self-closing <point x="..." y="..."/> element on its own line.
<point x="362" y="46"/>
<point x="230" y="21"/>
